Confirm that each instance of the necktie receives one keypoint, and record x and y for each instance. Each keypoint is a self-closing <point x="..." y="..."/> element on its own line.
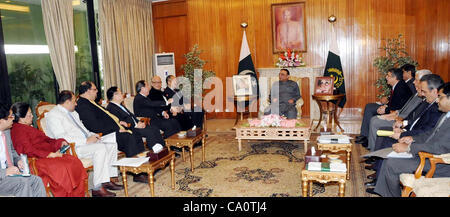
<point x="73" y="119"/>
<point x="111" y="116"/>
<point x="8" y="158"/>
<point x="436" y="129"/>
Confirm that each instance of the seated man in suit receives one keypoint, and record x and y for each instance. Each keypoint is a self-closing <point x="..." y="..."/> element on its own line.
<point x="423" y="119"/>
<point x="64" y="122"/>
<point x="399" y="95"/>
<point x="409" y="73"/>
<point x="171" y="91"/>
<point x="145" y="107"/>
<point x="98" y="120"/>
<point x="139" y="129"/>
<point x="435" y="141"/>
<point x="174" y="112"/>
<point x="387" y="120"/>
<point x="11" y="164"/>
<point x="284" y="95"/>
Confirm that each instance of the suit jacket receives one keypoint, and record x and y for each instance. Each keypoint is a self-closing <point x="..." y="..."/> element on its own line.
<point x="411" y="86"/>
<point x="410" y="106"/>
<point x="399" y="97"/>
<point x="95" y="119"/>
<point x="157" y="95"/>
<point x="426" y="121"/>
<point x="175" y="94"/>
<point x="60" y="125"/>
<point x="12" y="153"/>
<point x="122" y="115"/>
<point x="439" y="143"/>
<point x="145" y="107"/>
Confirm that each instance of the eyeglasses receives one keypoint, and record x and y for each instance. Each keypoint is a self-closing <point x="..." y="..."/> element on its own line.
<point x="157" y="82"/>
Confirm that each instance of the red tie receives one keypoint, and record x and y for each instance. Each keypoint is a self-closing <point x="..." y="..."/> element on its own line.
<point x="8" y="159"/>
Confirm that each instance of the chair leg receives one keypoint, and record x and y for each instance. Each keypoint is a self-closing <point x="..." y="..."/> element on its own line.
<point x="406" y="192"/>
<point x="86" y="187"/>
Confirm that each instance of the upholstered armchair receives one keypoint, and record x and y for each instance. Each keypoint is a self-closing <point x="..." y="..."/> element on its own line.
<point x="43" y="107"/>
<point x="264" y="102"/>
<point x="420" y="186"/>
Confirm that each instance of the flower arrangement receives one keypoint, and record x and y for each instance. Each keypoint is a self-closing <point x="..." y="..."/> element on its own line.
<point x="290" y="59"/>
<point x="272" y="120"/>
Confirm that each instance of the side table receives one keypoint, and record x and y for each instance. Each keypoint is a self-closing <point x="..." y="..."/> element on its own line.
<point x="328" y="98"/>
<point x="149" y="168"/>
<point x="336" y="147"/>
<point x="181" y="142"/>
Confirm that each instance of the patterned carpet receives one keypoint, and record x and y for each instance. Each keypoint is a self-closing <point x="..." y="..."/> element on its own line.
<point x="260" y="169"/>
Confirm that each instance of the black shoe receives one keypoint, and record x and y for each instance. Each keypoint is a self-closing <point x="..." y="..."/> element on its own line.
<point x="370" y="167"/>
<point x="177" y="155"/>
<point x="359" y="137"/>
<point x="370" y="161"/>
<point x="372" y="176"/>
<point x="360" y="141"/>
<point x="371" y="183"/>
<point x="142" y="178"/>
<point x="372" y="191"/>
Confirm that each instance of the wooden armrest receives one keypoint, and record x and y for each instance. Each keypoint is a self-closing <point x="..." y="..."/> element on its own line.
<point x="32" y="165"/>
<point x="72" y="149"/>
<point x="433" y="161"/>
<point x="145" y="120"/>
<point x="128" y="125"/>
<point x="100" y="134"/>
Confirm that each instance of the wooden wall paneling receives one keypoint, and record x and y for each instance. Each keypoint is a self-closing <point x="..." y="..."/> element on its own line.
<point x="361" y="25"/>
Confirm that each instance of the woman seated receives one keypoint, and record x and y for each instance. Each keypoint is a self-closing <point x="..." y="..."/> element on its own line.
<point x="65" y="173"/>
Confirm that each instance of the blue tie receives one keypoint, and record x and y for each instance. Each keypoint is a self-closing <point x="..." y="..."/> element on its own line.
<point x="73" y="119"/>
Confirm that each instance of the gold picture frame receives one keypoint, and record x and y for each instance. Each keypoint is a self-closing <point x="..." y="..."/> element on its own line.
<point x="289" y="27"/>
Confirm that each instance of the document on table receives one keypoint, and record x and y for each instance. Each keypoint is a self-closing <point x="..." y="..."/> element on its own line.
<point x="388" y="153"/>
<point x="342" y="139"/>
<point x="131" y="162"/>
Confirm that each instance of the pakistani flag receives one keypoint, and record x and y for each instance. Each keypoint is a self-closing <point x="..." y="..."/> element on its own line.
<point x="333" y="69"/>
<point x="246" y="66"/>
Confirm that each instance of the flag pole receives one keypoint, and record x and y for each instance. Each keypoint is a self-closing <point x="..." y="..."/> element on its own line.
<point x="332" y="19"/>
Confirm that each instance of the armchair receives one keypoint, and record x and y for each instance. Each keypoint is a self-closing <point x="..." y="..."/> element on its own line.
<point x="420" y="186"/>
<point x="264" y="102"/>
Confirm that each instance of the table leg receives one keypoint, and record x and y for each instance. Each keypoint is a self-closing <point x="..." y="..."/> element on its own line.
<point x="348" y="164"/>
<point x="305" y="188"/>
<point x="182" y="153"/>
<point x="306" y="145"/>
<point x="124" y="179"/>
<point x="237" y="118"/>
<point x="320" y="117"/>
<point x="191" y="156"/>
<point x="310" y="188"/>
<point x="342" y="188"/>
<point x="335" y="116"/>
<point x="172" y="171"/>
<point x="151" y="183"/>
<point x="203" y="148"/>
<point x="239" y="144"/>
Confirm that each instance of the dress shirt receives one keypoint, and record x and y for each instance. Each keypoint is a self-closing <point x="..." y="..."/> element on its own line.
<point x="3" y="162"/>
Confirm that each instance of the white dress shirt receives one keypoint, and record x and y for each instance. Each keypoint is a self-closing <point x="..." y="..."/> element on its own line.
<point x="3" y="163"/>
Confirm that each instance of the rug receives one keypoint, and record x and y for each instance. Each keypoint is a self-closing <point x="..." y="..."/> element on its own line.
<point x="260" y="169"/>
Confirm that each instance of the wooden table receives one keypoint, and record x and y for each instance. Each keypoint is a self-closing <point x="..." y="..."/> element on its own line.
<point x="275" y="133"/>
<point x="238" y="101"/>
<point x="149" y="168"/>
<point x="336" y="147"/>
<point x="328" y="98"/>
<point x="309" y="176"/>
<point x="181" y="142"/>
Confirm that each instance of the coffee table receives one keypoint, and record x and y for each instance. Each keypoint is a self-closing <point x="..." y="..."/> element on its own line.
<point x="181" y="142"/>
<point x="244" y="131"/>
<point x="336" y="147"/>
<point x="309" y="176"/>
<point x="149" y="168"/>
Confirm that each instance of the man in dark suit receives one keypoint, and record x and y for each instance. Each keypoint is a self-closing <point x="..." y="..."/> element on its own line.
<point x="435" y="141"/>
<point x="145" y="107"/>
<point x="11" y="164"/>
<point x="98" y="120"/>
<point x="184" y="107"/>
<point x="423" y="119"/>
<point x="409" y="73"/>
<point x="399" y="96"/>
<point x="139" y="129"/>
<point x="174" y="112"/>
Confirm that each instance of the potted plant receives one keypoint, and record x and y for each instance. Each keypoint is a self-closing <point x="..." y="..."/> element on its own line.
<point x="193" y="61"/>
<point x="395" y="56"/>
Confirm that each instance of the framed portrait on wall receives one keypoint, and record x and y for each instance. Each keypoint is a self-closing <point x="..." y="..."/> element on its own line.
<point x="289" y="27"/>
<point x="324" y="86"/>
<point x="242" y="85"/>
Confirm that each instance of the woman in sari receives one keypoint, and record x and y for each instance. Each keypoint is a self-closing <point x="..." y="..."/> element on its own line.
<point x="65" y="173"/>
